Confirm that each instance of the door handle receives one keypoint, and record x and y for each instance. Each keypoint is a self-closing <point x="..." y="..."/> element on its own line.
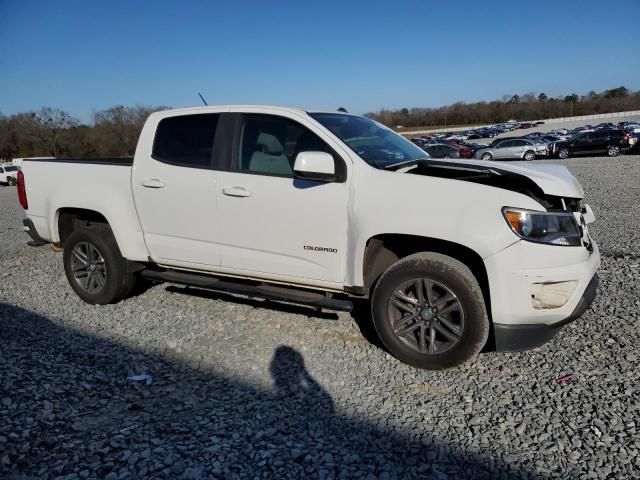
<point x="152" y="183"/>
<point x="236" y="192"/>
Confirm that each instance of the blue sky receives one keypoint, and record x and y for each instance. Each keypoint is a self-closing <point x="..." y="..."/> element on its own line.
<point x="86" y="55"/>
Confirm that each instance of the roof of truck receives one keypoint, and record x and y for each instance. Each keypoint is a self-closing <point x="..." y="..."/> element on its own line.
<point x="248" y="107"/>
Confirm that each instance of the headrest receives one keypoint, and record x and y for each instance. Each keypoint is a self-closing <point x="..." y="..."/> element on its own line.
<point x="270" y="144"/>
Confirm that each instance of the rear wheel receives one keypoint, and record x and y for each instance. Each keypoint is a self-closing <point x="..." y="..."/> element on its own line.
<point x="529" y="155"/>
<point x="94" y="266"/>
<point x="486" y="156"/>
<point x="613" y="151"/>
<point x="429" y="312"/>
<point x="563" y="153"/>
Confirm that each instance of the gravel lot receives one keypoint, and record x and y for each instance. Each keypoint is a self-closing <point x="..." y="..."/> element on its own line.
<point x="253" y="389"/>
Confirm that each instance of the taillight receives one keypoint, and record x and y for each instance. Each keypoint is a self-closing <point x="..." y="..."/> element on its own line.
<point x="22" y="191"/>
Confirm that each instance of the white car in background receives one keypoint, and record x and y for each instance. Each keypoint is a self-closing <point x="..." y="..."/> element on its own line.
<point x="8" y="174"/>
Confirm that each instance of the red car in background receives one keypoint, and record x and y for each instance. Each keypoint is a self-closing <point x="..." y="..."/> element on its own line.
<point x="463" y="150"/>
<point x="526" y="125"/>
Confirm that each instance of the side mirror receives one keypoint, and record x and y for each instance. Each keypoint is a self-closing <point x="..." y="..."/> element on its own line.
<point x="318" y="166"/>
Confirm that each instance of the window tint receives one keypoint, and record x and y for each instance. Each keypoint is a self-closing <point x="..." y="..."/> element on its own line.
<point x="11" y="169"/>
<point x="599" y="135"/>
<point x="449" y="151"/>
<point x="269" y="144"/>
<point x="186" y="140"/>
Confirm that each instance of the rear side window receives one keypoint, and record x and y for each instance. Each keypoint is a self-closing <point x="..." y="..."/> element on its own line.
<point x="186" y="140"/>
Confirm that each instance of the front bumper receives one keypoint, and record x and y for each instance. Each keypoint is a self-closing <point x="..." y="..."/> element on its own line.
<point x="515" y="338"/>
<point x="516" y="275"/>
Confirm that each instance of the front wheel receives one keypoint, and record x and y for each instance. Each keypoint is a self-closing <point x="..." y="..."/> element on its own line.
<point x="529" y="155"/>
<point x="486" y="156"/>
<point x="563" y="153"/>
<point x="613" y="151"/>
<point x="94" y="266"/>
<point x="429" y="312"/>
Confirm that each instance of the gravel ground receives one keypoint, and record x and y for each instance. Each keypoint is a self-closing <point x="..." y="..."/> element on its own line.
<point x="253" y="389"/>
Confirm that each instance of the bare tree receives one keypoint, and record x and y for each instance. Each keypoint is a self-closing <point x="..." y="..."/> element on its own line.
<point x="54" y="123"/>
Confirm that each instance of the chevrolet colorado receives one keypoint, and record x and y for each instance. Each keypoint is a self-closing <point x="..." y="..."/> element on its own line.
<point x="321" y="209"/>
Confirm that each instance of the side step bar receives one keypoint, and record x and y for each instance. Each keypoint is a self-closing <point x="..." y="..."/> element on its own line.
<point x="286" y="294"/>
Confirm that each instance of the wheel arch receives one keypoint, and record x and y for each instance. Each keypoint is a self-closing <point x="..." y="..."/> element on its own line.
<point x="69" y="219"/>
<point x="382" y="250"/>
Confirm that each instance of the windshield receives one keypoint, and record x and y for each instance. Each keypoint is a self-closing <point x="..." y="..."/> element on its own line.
<point x="377" y="145"/>
<point x="11" y="169"/>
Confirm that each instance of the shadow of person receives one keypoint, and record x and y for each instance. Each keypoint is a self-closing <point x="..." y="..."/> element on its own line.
<point x="294" y="385"/>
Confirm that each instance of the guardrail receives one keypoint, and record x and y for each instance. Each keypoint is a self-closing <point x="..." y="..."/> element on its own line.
<point x="632" y="113"/>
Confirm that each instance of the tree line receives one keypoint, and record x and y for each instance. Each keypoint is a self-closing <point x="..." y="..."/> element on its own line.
<point x="52" y="132"/>
<point x="114" y="132"/>
<point x="517" y="107"/>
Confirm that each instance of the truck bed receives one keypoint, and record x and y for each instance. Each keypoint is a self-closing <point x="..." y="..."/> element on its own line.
<point x="123" y="161"/>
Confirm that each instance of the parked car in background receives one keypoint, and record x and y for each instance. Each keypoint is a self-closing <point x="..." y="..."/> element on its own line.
<point x="611" y="142"/>
<point x="443" y="150"/>
<point x="512" y="149"/>
<point x="8" y="174"/>
<point x="526" y="125"/>
<point x="605" y="126"/>
<point x="539" y="122"/>
<point x="534" y="135"/>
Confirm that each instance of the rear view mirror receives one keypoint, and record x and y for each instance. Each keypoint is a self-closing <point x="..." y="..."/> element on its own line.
<point x="318" y="166"/>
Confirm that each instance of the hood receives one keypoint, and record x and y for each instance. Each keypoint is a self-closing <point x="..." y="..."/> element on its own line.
<point x="535" y="180"/>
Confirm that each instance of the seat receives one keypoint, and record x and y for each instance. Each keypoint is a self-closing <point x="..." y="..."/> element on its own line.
<point x="269" y="156"/>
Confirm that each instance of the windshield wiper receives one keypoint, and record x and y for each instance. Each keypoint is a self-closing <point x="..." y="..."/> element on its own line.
<point x="406" y="163"/>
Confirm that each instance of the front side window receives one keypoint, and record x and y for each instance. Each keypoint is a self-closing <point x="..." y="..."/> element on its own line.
<point x="377" y="145"/>
<point x="11" y="169"/>
<point x="186" y="140"/>
<point x="269" y="144"/>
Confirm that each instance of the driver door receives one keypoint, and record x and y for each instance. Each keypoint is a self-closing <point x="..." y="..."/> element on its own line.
<point x="273" y="225"/>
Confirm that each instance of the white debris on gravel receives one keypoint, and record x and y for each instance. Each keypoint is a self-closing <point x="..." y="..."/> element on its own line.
<point x="254" y="389"/>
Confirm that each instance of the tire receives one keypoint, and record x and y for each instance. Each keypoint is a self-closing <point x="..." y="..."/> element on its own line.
<point x="563" y="153"/>
<point x="529" y="155"/>
<point x="415" y="333"/>
<point x="486" y="156"/>
<point x="110" y="279"/>
<point x="613" y="151"/>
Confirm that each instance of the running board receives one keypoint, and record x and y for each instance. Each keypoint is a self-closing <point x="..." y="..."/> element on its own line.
<point x="271" y="292"/>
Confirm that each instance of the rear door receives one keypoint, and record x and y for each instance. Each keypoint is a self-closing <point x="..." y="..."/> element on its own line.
<point x="518" y="148"/>
<point x="273" y="225"/>
<point x="175" y="188"/>
<point x="582" y="143"/>
<point x="502" y="149"/>
<point x="599" y="141"/>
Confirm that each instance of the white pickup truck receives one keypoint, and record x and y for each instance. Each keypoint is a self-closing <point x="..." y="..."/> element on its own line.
<point x="320" y="209"/>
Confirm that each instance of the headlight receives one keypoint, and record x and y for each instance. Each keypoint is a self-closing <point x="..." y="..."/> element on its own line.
<point x="544" y="227"/>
